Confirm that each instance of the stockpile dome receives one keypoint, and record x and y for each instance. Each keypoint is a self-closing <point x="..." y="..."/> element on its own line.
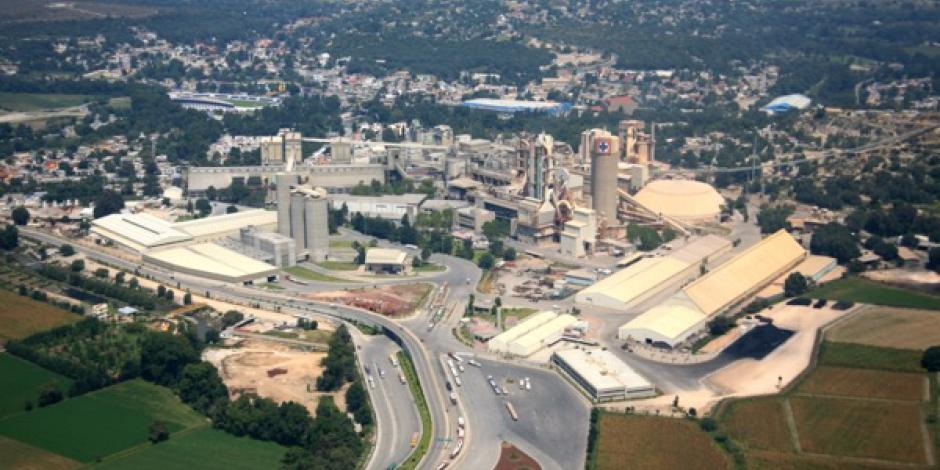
<point x="685" y="200"/>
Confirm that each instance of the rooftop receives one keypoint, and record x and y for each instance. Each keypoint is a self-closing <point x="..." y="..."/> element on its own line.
<point x="603" y="370"/>
<point x="385" y="256"/>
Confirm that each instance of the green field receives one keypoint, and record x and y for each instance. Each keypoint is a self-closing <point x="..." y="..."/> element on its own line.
<point x="856" y="289"/>
<point x="204" y="448"/>
<point x="338" y="265"/>
<point x="869" y="357"/>
<point x="341" y="244"/>
<point x="311" y="275"/>
<point x="40" y="101"/>
<point x="100" y="423"/>
<point x="22" y="381"/>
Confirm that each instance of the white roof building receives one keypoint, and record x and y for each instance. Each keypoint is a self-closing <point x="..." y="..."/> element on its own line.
<point x="385" y="256"/>
<point x="541" y="336"/>
<point x="208" y="260"/>
<point x="500" y="343"/>
<point x="602" y="374"/>
<point x="138" y="232"/>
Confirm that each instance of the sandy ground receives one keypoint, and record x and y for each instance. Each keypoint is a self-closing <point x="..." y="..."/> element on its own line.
<point x="722" y="341"/>
<point x="756" y="377"/>
<point x="747" y="377"/>
<point x="391" y="300"/>
<point x="904" y="276"/>
<point x="246" y="366"/>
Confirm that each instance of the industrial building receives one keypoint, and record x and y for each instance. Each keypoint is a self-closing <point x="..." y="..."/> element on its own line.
<point x="302" y="215"/>
<point x="814" y="268"/>
<point x="284" y="147"/>
<point x="535" y="332"/>
<point x="649" y="276"/>
<point x="142" y="232"/>
<point x="579" y="236"/>
<point x="278" y="249"/>
<point x="782" y="104"/>
<point x="605" y="157"/>
<point x="208" y="260"/>
<point x="391" y="207"/>
<point x="515" y="106"/>
<point x="687" y="201"/>
<point x="602" y="375"/>
<point x="386" y="261"/>
<point x="685" y="313"/>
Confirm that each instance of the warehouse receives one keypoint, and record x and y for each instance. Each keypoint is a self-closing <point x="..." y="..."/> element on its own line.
<point x="542" y="336"/>
<point x="389" y="207"/>
<point x="688" y="201"/>
<point x="602" y="375"/>
<point x="649" y="276"/>
<point x="500" y="343"/>
<point x="515" y="106"/>
<point x="687" y="312"/>
<point x="210" y="261"/>
<point x="814" y="268"/>
<point x="142" y="232"/>
<point x="386" y="260"/>
<point x="137" y="232"/>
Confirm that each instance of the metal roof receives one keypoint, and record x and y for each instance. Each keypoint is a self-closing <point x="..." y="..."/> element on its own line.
<point x="385" y="256"/>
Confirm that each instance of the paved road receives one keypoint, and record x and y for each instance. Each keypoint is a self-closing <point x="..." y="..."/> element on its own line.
<point x="394" y="405"/>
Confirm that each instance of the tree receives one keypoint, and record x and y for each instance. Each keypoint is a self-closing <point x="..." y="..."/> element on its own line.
<point x="772" y="219"/>
<point x="163" y="357"/>
<point x="20" y="215"/>
<point x="931" y="359"/>
<point x="9" y="238"/>
<point x="201" y="387"/>
<point x="203" y="206"/>
<point x="720" y="325"/>
<point x="486" y="261"/>
<point x="108" y="202"/>
<point x="933" y="259"/>
<point x="101" y="273"/>
<point x="66" y="250"/>
<point x="795" y="285"/>
<point x="231" y="209"/>
<point x="187" y="299"/>
<point x="77" y="266"/>
<point x="231" y="317"/>
<point x="157" y="431"/>
<point x="50" y="394"/>
<point x="509" y="254"/>
<point x="835" y="240"/>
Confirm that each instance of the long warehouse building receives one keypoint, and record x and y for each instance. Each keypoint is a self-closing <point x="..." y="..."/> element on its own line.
<point x="500" y="343"/>
<point x="208" y="260"/>
<point x="687" y="312"/>
<point x="602" y="375"/>
<point x="650" y="276"/>
<point x="542" y="336"/>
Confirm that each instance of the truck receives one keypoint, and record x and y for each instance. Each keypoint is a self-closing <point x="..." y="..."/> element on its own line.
<point x="393" y="360"/>
<point x="414" y="439"/>
<point x="512" y="411"/>
<point x="401" y="378"/>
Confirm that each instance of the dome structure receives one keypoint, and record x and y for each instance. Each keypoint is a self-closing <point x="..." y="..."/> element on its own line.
<point x="685" y="200"/>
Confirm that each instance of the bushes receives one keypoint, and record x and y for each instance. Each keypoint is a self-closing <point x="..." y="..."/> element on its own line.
<point x="340" y="362"/>
<point x="931" y="359"/>
<point x="720" y="325"/>
<point x="130" y="295"/>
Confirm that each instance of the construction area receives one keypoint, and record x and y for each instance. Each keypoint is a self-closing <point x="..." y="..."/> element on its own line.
<point x="394" y="300"/>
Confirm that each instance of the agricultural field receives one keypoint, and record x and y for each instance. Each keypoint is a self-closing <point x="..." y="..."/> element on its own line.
<point x="19" y="456"/>
<point x="856" y="289"/>
<point x="889" y="328"/>
<point x="840" y="417"/>
<point x="22" y="316"/>
<point x="760" y="424"/>
<point x="869" y="357"/>
<point x="22" y="381"/>
<point x="191" y="449"/>
<point x="650" y="442"/>
<point x="860" y="428"/>
<point x="100" y="423"/>
<point x="40" y="101"/>
<point x="864" y="383"/>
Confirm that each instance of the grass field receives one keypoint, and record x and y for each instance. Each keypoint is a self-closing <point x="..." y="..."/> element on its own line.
<point x="412" y="377"/>
<point x="205" y="449"/>
<point x="856" y="289"/>
<point x="890" y="328"/>
<point x="338" y="265"/>
<point x="21" y="316"/>
<point x="40" y="101"/>
<point x="864" y="383"/>
<point x="869" y="357"/>
<point x="654" y="443"/>
<point x="341" y="244"/>
<point x="100" y="423"/>
<point x="15" y="455"/>
<point x="22" y="381"/>
<point x="859" y="428"/>
<point x="310" y="275"/>
<point x="760" y="424"/>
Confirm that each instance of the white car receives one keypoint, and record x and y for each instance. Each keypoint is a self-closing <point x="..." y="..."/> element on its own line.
<point x="528" y="384"/>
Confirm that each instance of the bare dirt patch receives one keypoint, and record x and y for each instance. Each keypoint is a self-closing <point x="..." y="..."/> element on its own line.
<point x="246" y="368"/>
<point x="391" y="300"/>
<point x="511" y="458"/>
<point x="655" y="443"/>
<point x="888" y="327"/>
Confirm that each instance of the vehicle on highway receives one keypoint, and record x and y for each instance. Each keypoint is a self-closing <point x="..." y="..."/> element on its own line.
<point x="457" y="381"/>
<point x="474" y="363"/>
<point x="401" y="378"/>
<point x="371" y="382"/>
<point x="460" y="421"/>
<point x="393" y="360"/>
<point x="381" y="372"/>
<point x="512" y="411"/>
<point x="528" y="383"/>
<point x="521" y="384"/>
<point x="453" y="397"/>
<point x="414" y="440"/>
<point x="411" y="247"/>
<point x="461" y="368"/>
